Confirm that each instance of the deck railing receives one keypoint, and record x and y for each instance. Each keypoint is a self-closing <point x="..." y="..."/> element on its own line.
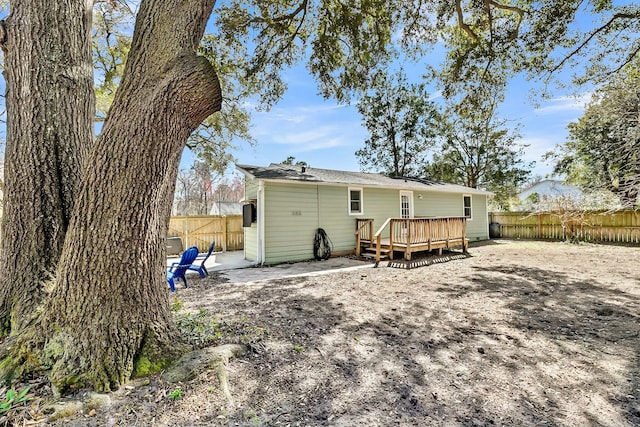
<point x="418" y="234"/>
<point x="364" y="233"/>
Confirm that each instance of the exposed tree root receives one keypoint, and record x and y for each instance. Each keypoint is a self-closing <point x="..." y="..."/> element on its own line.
<point x="67" y="408"/>
<point x="214" y="358"/>
<point x="184" y="369"/>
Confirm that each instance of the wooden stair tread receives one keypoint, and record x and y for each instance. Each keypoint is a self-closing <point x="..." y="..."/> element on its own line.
<point x="382" y="250"/>
<point x="373" y="255"/>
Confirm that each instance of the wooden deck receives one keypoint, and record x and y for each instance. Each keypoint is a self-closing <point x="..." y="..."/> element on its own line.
<point x="410" y="235"/>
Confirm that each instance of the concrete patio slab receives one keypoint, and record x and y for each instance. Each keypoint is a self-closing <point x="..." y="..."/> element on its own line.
<point x="236" y="269"/>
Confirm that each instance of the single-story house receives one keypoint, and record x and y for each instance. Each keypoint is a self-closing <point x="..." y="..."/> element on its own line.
<point x="286" y="204"/>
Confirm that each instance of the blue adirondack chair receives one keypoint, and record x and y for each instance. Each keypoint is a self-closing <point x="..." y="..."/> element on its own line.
<point x="200" y="268"/>
<point x="178" y="269"/>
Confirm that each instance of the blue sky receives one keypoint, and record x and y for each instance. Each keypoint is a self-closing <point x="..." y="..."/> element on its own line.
<point x="327" y="135"/>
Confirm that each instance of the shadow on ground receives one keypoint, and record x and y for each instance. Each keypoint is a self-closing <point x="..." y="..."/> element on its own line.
<point x="571" y="313"/>
<point x="504" y="345"/>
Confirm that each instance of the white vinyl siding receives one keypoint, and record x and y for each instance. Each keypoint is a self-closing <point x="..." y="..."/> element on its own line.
<point x="451" y="204"/>
<point x="339" y="227"/>
<point x="251" y="233"/>
<point x="477" y="229"/>
<point x="251" y="242"/>
<point x="438" y="204"/>
<point x="291" y="220"/>
<point x="293" y="213"/>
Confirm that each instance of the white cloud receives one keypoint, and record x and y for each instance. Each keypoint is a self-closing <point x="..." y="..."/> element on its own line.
<point x="568" y="104"/>
<point x="304" y="137"/>
<point x="297" y="114"/>
<point x="309" y="128"/>
<point x="322" y="145"/>
<point x="538" y="146"/>
<point x="436" y="95"/>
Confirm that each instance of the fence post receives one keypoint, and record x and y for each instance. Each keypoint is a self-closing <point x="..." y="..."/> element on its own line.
<point x="224" y="233"/>
<point x="539" y="225"/>
<point x="186" y="231"/>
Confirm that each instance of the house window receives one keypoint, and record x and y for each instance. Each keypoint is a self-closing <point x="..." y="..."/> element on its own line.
<point x="355" y="201"/>
<point x="466" y="202"/>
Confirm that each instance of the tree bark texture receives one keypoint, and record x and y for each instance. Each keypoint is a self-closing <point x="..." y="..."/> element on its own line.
<point x="109" y="308"/>
<point x="50" y="112"/>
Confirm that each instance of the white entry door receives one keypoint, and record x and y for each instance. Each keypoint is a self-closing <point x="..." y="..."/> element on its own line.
<point x="406" y="204"/>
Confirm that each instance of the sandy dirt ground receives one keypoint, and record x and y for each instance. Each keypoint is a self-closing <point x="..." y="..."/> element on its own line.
<point x="520" y="333"/>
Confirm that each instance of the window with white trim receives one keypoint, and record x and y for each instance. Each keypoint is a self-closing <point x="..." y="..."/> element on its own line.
<point x="466" y="203"/>
<point x="355" y="201"/>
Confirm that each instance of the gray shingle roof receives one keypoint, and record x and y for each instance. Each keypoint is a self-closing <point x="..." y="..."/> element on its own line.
<point x="280" y="172"/>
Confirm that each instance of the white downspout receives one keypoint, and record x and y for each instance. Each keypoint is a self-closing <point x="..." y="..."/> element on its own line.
<point x="486" y="204"/>
<point x="260" y="249"/>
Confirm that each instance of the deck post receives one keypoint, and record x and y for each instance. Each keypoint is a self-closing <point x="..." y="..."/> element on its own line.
<point x="391" y="225"/>
<point x="407" y="252"/>
<point x="465" y="244"/>
<point x="378" y="244"/>
<point x="448" y="234"/>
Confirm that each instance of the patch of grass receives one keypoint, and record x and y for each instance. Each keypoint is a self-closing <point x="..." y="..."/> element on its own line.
<point x="298" y="348"/>
<point x="13" y="398"/>
<point x="201" y="330"/>
<point x="176" y="394"/>
<point x="176" y="305"/>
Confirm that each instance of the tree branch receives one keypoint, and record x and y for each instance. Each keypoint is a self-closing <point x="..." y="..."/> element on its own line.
<point x="285" y="44"/>
<point x="629" y="58"/>
<point x="515" y="9"/>
<point x="289" y="16"/>
<point x="593" y="34"/>
<point x="464" y="26"/>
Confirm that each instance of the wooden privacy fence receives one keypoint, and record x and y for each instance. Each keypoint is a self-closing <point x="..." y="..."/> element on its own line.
<point x="614" y="227"/>
<point x="201" y="230"/>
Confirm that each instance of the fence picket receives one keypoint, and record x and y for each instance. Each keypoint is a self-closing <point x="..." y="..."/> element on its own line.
<point x="612" y="227"/>
<point x="200" y="231"/>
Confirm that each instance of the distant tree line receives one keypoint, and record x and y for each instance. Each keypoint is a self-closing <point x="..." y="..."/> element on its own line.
<point x="198" y="188"/>
<point x="463" y="142"/>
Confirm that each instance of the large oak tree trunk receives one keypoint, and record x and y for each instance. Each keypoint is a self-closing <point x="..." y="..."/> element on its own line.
<point x="106" y="312"/>
<point x="109" y="308"/>
<point x="50" y="113"/>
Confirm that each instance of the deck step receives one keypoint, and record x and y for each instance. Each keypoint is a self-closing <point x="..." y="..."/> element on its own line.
<point x="373" y="250"/>
<point x="373" y="255"/>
